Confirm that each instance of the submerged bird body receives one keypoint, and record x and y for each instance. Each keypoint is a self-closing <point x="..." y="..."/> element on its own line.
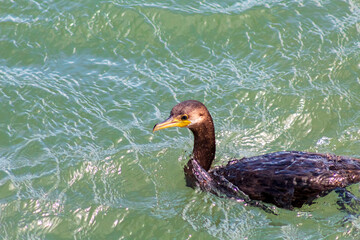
<point x="285" y="179"/>
<point x="290" y="179"/>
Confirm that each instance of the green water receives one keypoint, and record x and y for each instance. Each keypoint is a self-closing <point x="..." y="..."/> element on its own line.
<point x="82" y="83"/>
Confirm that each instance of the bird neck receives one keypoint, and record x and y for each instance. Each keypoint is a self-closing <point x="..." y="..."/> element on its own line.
<point x="203" y="152"/>
<point x="204" y="144"/>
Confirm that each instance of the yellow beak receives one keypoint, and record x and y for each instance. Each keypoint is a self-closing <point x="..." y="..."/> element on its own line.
<point x="171" y="122"/>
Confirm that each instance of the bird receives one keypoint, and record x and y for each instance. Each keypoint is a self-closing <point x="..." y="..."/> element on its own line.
<point x="286" y="179"/>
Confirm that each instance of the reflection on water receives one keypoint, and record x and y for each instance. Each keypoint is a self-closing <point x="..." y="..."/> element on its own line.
<point x="83" y="83"/>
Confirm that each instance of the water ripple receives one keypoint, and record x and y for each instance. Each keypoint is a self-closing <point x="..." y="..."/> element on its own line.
<point x="83" y="83"/>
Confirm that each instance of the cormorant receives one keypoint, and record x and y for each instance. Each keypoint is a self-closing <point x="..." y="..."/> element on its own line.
<point x="286" y="179"/>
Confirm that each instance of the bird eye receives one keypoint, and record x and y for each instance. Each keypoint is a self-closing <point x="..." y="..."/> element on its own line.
<point x="184" y="117"/>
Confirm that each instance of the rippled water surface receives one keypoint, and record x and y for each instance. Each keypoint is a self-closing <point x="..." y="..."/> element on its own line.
<point x="82" y="83"/>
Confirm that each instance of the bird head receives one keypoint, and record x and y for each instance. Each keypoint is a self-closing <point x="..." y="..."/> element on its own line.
<point x="188" y="114"/>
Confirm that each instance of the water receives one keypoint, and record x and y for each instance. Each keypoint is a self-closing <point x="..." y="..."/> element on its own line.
<point x="84" y="82"/>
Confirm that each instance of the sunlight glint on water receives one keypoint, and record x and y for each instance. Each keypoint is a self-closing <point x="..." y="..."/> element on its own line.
<point x="83" y="83"/>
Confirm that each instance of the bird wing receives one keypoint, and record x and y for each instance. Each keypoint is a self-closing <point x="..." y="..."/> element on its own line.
<point x="290" y="179"/>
